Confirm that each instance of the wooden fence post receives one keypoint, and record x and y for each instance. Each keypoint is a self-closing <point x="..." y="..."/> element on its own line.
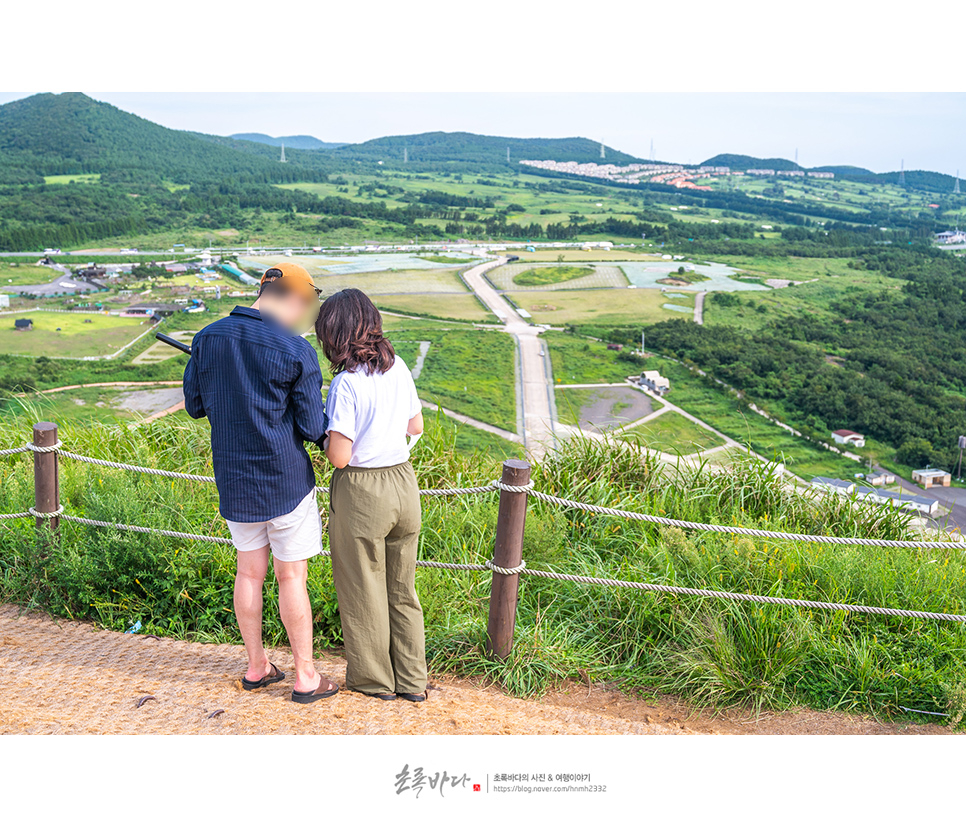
<point x="46" y="480"/>
<point x="507" y="553"/>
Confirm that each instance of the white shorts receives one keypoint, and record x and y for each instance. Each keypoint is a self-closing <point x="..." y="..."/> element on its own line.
<point x="293" y="537"/>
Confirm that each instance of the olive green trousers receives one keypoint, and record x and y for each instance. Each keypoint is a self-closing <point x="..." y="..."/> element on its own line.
<point x="374" y="521"/>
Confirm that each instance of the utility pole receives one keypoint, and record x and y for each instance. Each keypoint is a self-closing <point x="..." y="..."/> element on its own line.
<point x="959" y="470"/>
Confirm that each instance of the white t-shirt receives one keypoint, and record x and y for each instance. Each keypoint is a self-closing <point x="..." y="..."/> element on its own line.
<point x="373" y="411"/>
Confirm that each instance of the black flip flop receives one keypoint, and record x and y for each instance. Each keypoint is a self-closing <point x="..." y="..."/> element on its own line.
<point x="320" y="692"/>
<point x="273" y="677"/>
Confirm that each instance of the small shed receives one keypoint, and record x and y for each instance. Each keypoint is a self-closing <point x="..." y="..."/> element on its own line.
<point x="24" y="324"/>
<point x="927" y="478"/>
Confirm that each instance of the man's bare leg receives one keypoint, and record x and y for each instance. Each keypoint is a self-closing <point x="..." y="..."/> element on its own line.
<point x="249" y="580"/>
<point x="296" y="611"/>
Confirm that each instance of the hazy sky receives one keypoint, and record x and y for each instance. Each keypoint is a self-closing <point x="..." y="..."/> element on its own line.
<point x="873" y="130"/>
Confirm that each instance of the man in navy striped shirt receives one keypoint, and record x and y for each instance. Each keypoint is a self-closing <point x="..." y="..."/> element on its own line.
<point x="259" y="384"/>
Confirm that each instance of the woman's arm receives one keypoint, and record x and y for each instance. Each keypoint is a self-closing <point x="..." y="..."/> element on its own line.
<point x="338" y="449"/>
<point x="415" y="426"/>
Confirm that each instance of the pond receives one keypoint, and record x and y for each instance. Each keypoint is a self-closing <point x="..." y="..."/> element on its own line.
<point x="646" y="274"/>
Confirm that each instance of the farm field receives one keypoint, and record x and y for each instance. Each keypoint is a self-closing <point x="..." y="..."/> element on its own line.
<point x="605" y="307"/>
<point x="825" y="280"/>
<point x="460" y="306"/>
<point x="23" y="274"/>
<point x="80" y="335"/>
<point x="557" y="277"/>
<point x="544" y="255"/>
<point x="672" y="433"/>
<point x="64" y="179"/>
<point x="467" y="370"/>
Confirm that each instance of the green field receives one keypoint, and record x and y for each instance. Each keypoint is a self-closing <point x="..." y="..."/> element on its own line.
<point x="597" y="276"/>
<point x="467" y="370"/>
<point x="18" y="274"/>
<point x="673" y="433"/>
<point x="462" y="306"/>
<point x="540" y="276"/>
<point x="605" y="307"/>
<point x="80" y="335"/>
<point x="822" y="282"/>
<point x="91" y="405"/>
<point x="65" y="179"/>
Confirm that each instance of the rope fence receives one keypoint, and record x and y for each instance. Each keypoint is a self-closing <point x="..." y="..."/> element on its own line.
<point x="507" y="567"/>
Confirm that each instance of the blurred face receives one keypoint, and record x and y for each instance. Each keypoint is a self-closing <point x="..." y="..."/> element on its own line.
<point x="292" y="310"/>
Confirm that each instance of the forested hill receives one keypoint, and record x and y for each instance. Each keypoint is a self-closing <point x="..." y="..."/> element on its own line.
<point x="71" y="133"/>
<point x="740" y="162"/>
<point x="454" y="151"/>
<point x="304" y="143"/>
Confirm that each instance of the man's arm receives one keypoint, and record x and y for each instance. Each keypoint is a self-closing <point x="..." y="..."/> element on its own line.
<point x="308" y="402"/>
<point x="192" y="391"/>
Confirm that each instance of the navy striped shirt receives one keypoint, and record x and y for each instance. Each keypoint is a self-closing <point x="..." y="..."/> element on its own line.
<point x="260" y="388"/>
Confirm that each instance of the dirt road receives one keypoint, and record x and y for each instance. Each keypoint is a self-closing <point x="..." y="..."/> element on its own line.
<point x="63" y="677"/>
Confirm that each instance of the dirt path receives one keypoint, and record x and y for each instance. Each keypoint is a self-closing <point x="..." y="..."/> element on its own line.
<point x="63" y="677"/>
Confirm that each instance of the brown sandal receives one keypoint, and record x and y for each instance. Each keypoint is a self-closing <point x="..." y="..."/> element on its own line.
<point x="325" y="689"/>
<point x="272" y="677"/>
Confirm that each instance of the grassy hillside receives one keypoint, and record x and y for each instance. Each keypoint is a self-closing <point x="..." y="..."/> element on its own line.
<point x="712" y="652"/>
<point x="72" y="133"/>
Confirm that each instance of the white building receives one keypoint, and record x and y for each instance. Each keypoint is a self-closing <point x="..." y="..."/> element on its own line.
<point x="4" y="300"/>
<point x="844" y="437"/>
<point x="653" y="381"/>
<point x="951" y="237"/>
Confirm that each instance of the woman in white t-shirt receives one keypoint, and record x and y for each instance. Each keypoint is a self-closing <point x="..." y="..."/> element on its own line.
<point x="374" y="512"/>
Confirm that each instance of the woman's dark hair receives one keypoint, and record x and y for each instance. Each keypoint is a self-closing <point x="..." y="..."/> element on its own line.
<point x="349" y="328"/>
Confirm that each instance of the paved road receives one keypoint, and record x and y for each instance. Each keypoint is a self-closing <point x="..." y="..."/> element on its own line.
<point x="699" y="308"/>
<point x="534" y="372"/>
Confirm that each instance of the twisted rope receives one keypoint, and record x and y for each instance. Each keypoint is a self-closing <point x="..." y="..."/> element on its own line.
<point x="144" y="470"/>
<point x="702" y="592"/>
<point x="7" y="516"/>
<point x="37" y="514"/>
<point x="131" y="528"/>
<point x="18" y="451"/>
<point x="741" y="531"/>
<point x="506" y="571"/>
<point x="30" y="447"/>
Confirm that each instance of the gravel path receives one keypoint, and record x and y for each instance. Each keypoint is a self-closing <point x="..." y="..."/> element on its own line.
<point x="65" y="677"/>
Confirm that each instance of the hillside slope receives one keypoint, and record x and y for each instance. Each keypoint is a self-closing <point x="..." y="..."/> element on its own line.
<point x="304" y="143"/>
<point x="71" y="133"/>
<point x="450" y="151"/>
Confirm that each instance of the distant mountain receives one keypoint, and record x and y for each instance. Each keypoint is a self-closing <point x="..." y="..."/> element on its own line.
<point x="740" y="162"/>
<point x="844" y="170"/>
<point x="71" y="133"/>
<point x="456" y="151"/>
<point x="303" y="143"/>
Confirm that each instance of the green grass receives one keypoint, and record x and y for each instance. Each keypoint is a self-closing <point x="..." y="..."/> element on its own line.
<point x="713" y="653"/>
<point x="604" y="307"/>
<point x="469" y="371"/>
<point x="673" y="433"/>
<point x="576" y="360"/>
<point x="66" y="179"/>
<point x="716" y="407"/>
<point x="540" y="276"/>
<point x="446" y="259"/>
<point x="21" y="274"/>
<point x="457" y="306"/>
<point x="78" y="337"/>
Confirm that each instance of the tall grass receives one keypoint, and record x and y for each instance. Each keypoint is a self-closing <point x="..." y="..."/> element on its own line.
<point x="713" y="652"/>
